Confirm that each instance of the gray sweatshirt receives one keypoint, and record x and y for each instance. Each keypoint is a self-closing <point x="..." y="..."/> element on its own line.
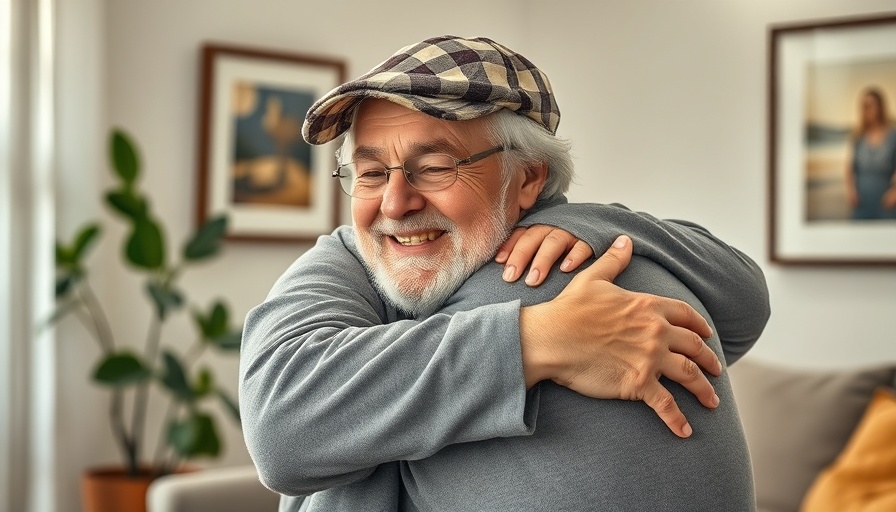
<point x="347" y="402"/>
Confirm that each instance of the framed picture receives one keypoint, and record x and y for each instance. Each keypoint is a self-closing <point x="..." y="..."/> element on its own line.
<point x="832" y="142"/>
<point x="253" y="163"/>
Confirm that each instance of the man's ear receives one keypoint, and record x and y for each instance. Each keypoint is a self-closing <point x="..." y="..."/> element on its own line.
<point x="534" y="178"/>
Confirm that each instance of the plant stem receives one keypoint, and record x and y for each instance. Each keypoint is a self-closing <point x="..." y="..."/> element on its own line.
<point x="142" y="394"/>
<point x="98" y="317"/>
<point x="103" y="334"/>
<point x="87" y="321"/>
<point x="125" y="443"/>
<point x="159" y="459"/>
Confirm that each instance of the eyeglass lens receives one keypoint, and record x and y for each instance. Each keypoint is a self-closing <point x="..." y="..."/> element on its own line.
<point x="368" y="178"/>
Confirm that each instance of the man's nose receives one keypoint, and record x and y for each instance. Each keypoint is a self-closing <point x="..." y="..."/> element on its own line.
<point x="400" y="199"/>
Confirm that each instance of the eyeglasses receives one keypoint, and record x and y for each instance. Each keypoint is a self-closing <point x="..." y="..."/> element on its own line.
<point x="367" y="179"/>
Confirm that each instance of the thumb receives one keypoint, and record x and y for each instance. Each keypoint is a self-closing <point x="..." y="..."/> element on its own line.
<point x="613" y="262"/>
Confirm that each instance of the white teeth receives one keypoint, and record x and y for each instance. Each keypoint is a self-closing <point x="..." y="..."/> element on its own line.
<point x="418" y="238"/>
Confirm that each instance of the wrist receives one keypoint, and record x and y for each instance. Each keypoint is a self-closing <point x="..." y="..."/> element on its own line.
<point x="538" y="352"/>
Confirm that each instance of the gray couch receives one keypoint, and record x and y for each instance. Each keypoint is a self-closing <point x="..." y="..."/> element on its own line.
<point x="796" y="422"/>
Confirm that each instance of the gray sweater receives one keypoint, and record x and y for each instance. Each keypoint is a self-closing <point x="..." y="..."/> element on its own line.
<point x="344" y="400"/>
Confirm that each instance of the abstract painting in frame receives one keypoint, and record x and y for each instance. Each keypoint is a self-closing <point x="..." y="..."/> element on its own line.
<point x="253" y="163"/>
<point x="832" y="142"/>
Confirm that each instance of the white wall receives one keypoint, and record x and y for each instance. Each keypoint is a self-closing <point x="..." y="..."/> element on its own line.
<point x="664" y="101"/>
<point x="666" y="104"/>
<point x="147" y="83"/>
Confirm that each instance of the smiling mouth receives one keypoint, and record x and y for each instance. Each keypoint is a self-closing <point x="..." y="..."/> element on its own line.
<point x="418" y="238"/>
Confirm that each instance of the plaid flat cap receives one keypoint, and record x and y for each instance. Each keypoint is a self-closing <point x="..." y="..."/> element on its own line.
<point x="447" y="77"/>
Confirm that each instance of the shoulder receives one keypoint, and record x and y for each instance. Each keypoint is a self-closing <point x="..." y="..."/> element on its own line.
<point x="333" y="257"/>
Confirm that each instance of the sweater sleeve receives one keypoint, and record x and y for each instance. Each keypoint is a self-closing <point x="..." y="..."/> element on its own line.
<point x="729" y="284"/>
<point x="329" y="389"/>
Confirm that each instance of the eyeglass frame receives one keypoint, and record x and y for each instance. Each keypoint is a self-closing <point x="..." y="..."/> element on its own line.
<point x="472" y="159"/>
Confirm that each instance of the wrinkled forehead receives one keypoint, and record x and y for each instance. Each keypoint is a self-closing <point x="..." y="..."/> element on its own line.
<point x="384" y="124"/>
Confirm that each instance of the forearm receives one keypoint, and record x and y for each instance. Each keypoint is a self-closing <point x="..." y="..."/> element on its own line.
<point x="328" y="392"/>
<point x="728" y="283"/>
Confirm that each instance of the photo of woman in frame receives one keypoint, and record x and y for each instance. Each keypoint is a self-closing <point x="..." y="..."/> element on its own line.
<point x="850" y="142"/>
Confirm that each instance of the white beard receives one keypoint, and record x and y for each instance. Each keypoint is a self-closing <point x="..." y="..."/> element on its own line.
<point x="403" y="282"/>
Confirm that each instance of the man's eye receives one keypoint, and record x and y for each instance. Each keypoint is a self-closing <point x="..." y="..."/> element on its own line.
<point x="435" y="169"/>
<point x="371" y="175"/>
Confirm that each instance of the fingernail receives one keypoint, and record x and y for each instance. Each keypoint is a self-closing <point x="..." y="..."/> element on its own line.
<point x="565" y="265"/>
<point x="532" y="278"/>
<point x="509" y="273"/>
<point x="715" y="400"/>
<point x="620" y="242"/>
<point x="688" y="430"/>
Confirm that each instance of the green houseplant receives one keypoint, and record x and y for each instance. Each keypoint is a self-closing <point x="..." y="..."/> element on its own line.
<point x="189" y="430"/>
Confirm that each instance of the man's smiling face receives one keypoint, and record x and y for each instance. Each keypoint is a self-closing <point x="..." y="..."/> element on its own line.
<point x="420" y="246"/>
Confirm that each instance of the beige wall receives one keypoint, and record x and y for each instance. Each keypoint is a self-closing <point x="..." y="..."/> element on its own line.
<point x="667" y="106"/>
<point x="664" y="101"/>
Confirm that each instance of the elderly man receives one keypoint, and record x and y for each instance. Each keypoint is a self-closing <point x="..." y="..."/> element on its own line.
<point x="391" y="367"/>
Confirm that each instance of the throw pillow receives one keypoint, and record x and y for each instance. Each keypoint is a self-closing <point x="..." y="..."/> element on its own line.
<point x="797" y="421"/>
<point x="864" y="476"/>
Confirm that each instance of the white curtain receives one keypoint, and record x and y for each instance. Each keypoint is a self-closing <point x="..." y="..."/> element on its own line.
<point x="27" y="362"/>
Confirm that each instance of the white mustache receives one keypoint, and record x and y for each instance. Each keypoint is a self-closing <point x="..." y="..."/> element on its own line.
<point x="425" y="221"/>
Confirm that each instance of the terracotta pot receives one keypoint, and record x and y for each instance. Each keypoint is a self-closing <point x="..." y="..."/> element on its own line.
<point x="111" y="490"/>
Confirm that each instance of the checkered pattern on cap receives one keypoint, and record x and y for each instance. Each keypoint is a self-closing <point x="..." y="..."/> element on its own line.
<point x="448" y="77"/>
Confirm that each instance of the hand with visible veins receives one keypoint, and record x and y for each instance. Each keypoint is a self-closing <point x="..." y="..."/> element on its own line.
<point x="640" y="337"/>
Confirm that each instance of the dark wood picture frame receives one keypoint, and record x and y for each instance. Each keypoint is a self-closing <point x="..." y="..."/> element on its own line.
<point x="869" y="244"/>
<point x="252" y="162"/>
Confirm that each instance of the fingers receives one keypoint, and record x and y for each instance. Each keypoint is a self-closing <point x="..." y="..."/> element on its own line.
<point x="555" y="245"/>
<point x="525" y="247"/>
<point x="507" y="246"/>
<point x="540" y="245"/>
<point x="681" y="314"/>
<point x="663" y="403"/>
<point x="579" y="253"/>
<point x="689" y="344"/>
<point x="611" y="263"/>
<point x="686" y="372"/>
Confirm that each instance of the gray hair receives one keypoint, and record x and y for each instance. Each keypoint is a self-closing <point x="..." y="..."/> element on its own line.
<point x="525" y="142"/>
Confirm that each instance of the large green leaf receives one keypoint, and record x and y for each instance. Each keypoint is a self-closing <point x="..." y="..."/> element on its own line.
<point x="165" y="299"/>
<point x="128" y="203"/>
<point x="217" y="320"/>
<point x="124" y="157"/>
<point x="83" y="240"/>
<point x="145" y="246"/>
<point x="175" y="378"/>
<point x="206" y="241"/>
<point x="230" y="404"/>
<point x="195" y="435"/>
<point x="213" y="324"/>
<point x="121" y="369"/>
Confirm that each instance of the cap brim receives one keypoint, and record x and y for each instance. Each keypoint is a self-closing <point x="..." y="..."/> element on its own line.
<point x="332" y="116"/>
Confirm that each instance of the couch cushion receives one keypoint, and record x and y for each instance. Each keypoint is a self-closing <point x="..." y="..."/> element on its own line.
<point x="864" y="474"/>
<point x="797" y="421"/>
